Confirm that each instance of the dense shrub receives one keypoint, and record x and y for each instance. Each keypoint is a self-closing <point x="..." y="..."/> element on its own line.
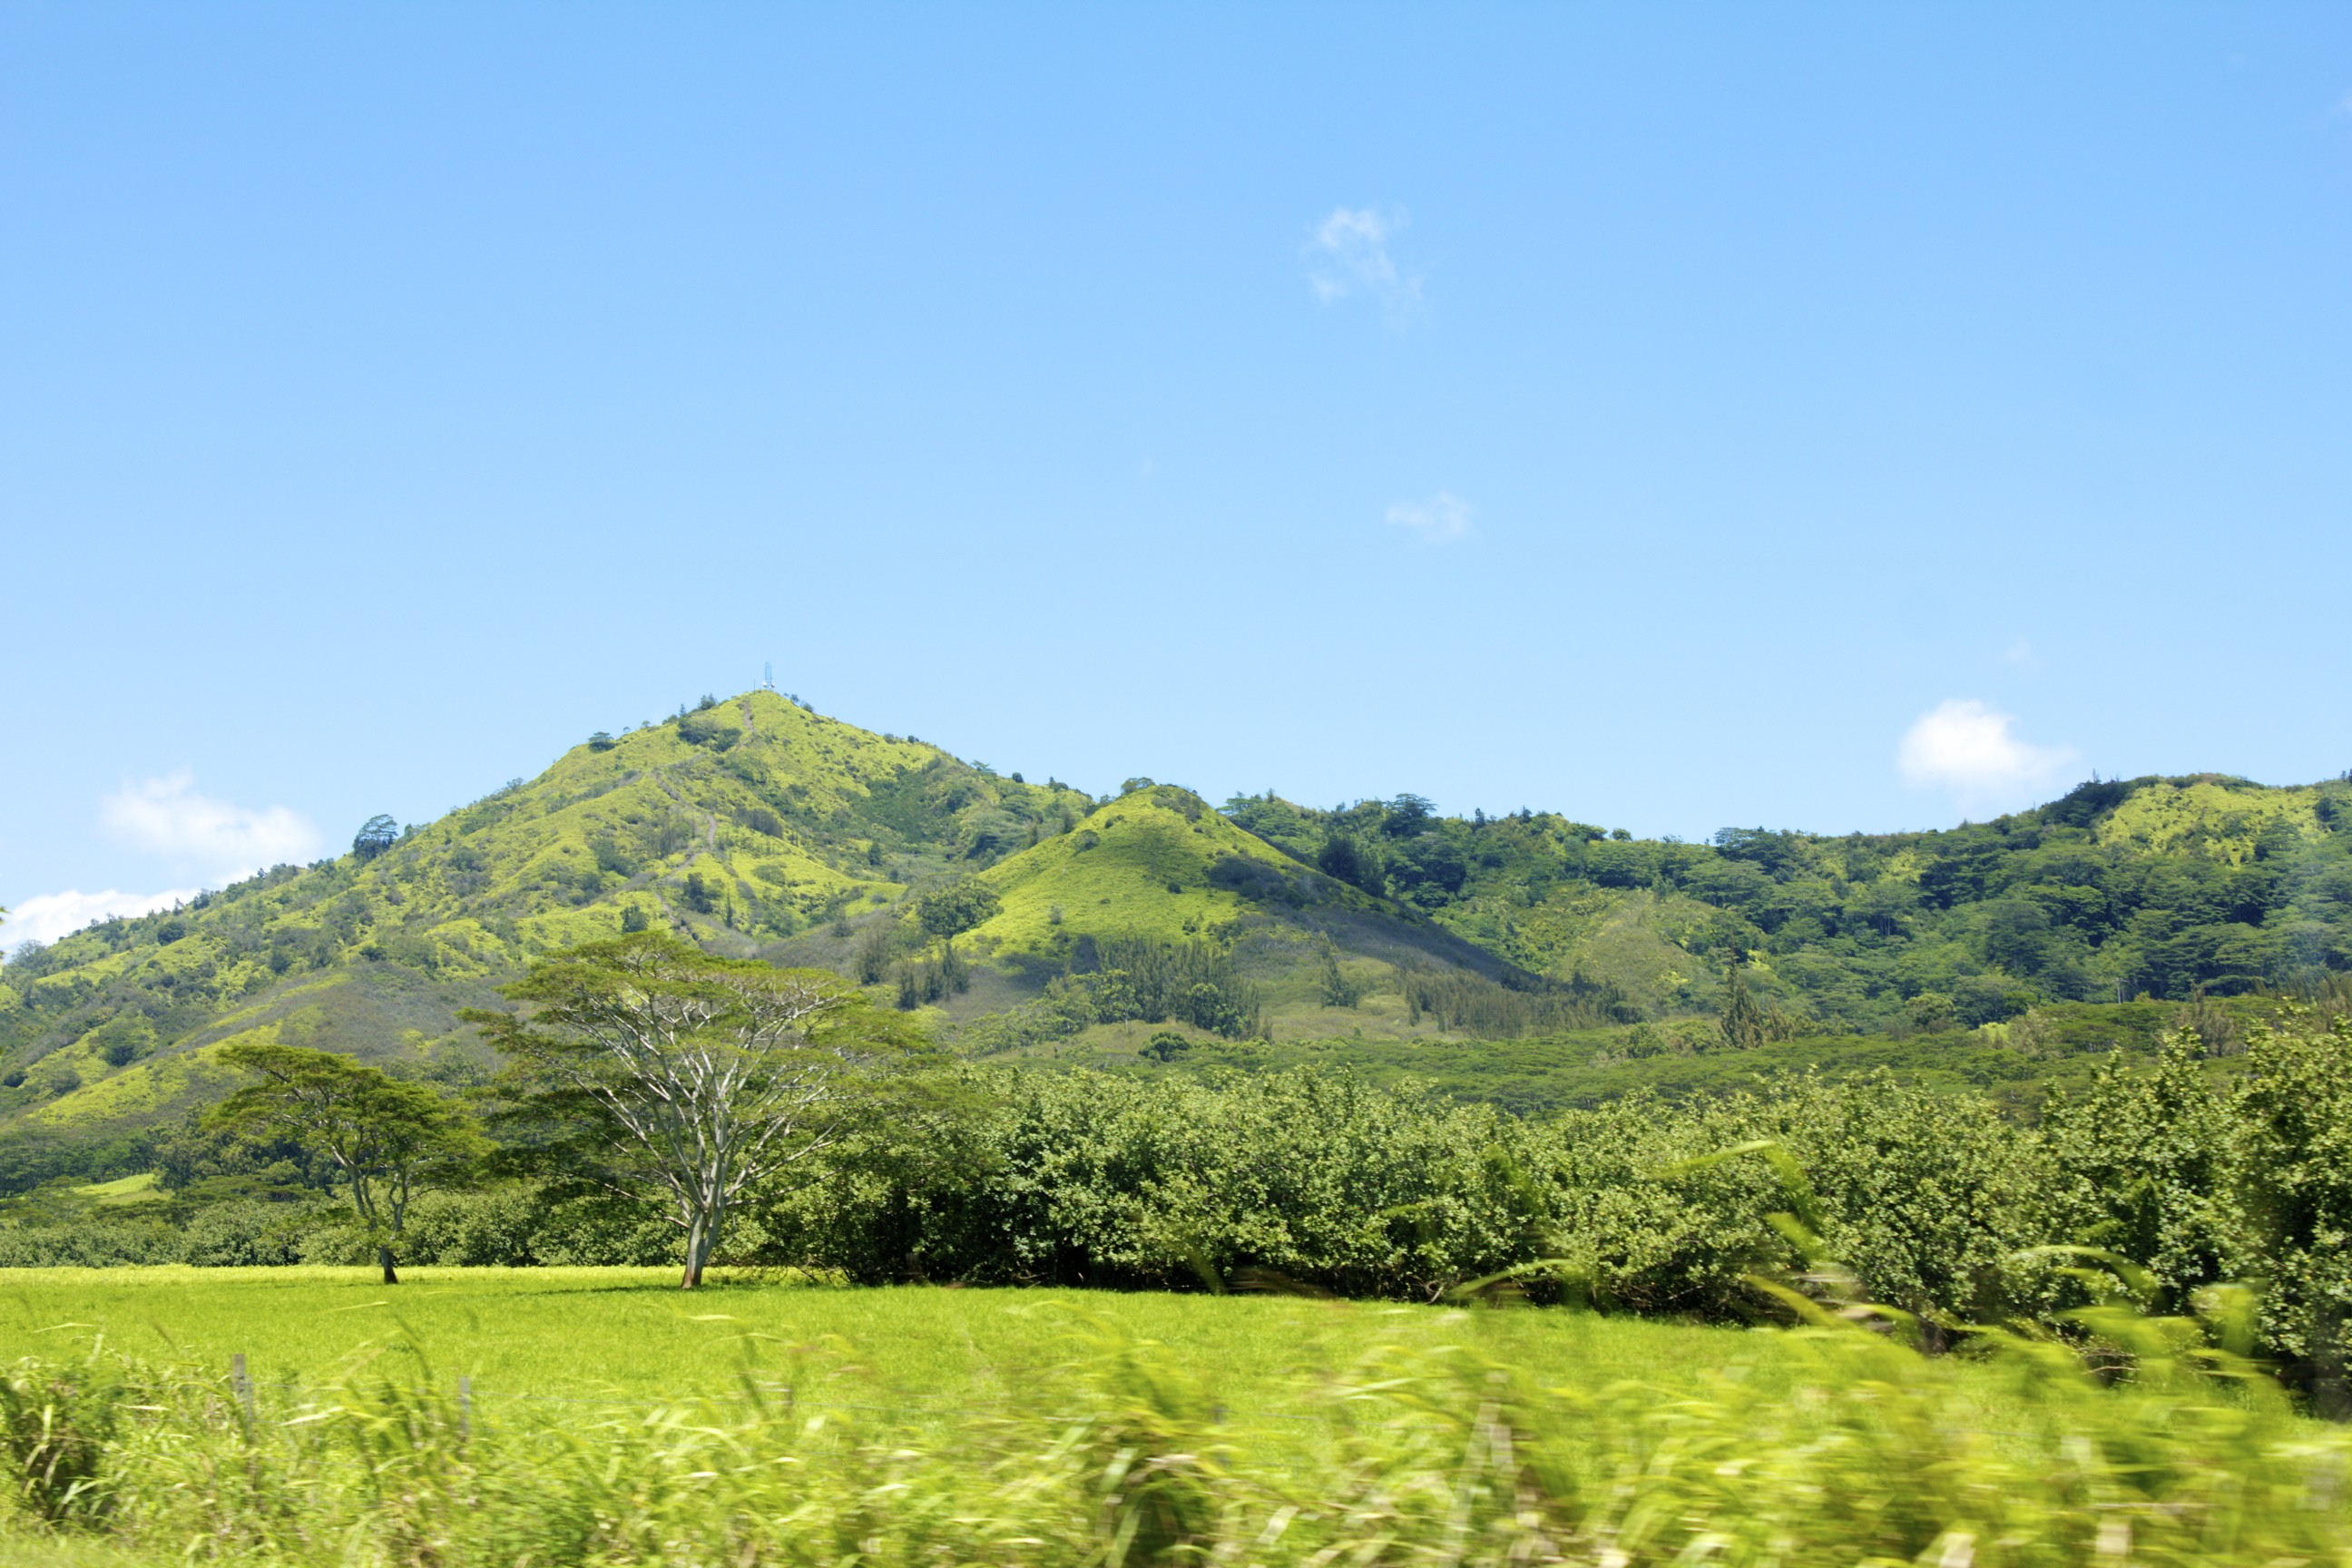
<point x="1936" y="1204"/>
<point x="2201" y="1171"/>
<point x="1313" y="1178"/>
<point x="702" y="728"/>
<point x="90" y="1246"/>
<point x="248" y="1232"/>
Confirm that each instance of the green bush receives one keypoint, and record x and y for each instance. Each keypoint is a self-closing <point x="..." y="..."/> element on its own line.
<point x="703" y="728"/>
<point x="1311" y="1175"/>
<point x="58" y="1425"/>
<point x="249" y="1232"/>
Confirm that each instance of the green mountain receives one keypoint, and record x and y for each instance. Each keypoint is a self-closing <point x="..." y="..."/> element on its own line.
<point x="756" y="827"/>
<point x="2166" y="887"/>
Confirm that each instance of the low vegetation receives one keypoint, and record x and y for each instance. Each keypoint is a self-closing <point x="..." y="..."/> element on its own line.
<point x="2201" y="1169"/>
<point x="1481" y="1437"/>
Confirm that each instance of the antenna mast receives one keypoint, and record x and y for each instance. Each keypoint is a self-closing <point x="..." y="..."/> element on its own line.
<point x="767" y="678"/>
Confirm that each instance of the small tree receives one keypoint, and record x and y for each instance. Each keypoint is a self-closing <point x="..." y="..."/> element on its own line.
<point x="375" y="836"/>
<point x="957" y="908"/>
<point x="1747" y="1022"/>
<point x="1408" y="815"/>
<point x="1343" y="858"/>
<point x="1339" y="989"/>
<point x="652" y="1069"/>
<point x="387" y="1138"/>
<point x="1737" y="1013"/>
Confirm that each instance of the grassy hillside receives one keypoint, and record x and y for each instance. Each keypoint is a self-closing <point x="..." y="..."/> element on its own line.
<point x="2060" y="1046"/>
<point x="2167" y="888"/>
<point x="1100" y="926"/>
<point x="740" y="824"/>
<point x="1157" y="864"/>
<point x="753" y="827"/>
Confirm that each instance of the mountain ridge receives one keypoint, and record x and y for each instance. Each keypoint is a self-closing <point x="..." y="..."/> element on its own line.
<point x="757" y="826"/>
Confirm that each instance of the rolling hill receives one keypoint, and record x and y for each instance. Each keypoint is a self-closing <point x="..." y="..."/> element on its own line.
<point x="752" y="826"/>
<point x="758" y="827"/>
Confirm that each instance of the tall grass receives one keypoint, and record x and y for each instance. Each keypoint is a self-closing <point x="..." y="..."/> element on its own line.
<point x="631" y="1335"/>
<point x="1429" y="1452"/>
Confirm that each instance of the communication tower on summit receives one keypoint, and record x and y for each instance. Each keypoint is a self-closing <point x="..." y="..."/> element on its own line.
<point x="767" y="678"/>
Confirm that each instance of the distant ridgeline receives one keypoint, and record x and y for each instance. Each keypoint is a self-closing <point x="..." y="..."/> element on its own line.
<point x="1033" y="918"/>
<point x="2166" y="887"/>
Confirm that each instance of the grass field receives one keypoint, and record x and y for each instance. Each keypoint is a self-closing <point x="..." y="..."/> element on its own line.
<point x="609" y="1419"/>
<point x="630" y="1336"/>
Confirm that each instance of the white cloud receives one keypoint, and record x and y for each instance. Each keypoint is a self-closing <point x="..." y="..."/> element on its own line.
<point x="1967" y="748"/>
<point x="218" y="839"/>
<point x="1350" y="255"/>
<point x="1442" y="519"/>
<point x="52" y="915"/>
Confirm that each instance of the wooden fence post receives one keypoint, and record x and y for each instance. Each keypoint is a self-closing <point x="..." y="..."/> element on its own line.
<point x="243" y="1384"/>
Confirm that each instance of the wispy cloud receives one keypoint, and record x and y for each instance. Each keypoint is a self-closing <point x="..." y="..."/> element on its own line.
<point x="1350" y="256"/>
<point x="52" y="915"/>
<point x="214" y="838"/>
<point x="1441" y="520"/>
<point x="1966" y="748"/>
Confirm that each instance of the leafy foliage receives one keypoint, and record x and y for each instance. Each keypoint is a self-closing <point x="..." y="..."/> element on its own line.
<point x="956" y="908"/>
<point x="375" y="836"/>
<point x="660" y="1073"/>
<point x="2166" y="886"/>
<point x="386" y="1139"/>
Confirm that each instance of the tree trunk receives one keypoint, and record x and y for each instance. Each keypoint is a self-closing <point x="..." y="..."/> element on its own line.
<point x="697" y="1246"/>
<point x="383" y="1256"/>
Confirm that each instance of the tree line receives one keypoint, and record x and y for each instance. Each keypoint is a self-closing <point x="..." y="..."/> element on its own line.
<point x="2249" y="887"/>
<point x="640" y="1068"/>
<point x="662" y="1104"/>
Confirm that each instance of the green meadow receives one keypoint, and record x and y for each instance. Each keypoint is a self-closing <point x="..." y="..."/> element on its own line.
<point x="606" y="1418"/>
<point x="629" y="1336"/>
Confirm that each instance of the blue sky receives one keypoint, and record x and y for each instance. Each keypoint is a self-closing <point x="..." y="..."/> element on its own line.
<point x="1836" y="418"/>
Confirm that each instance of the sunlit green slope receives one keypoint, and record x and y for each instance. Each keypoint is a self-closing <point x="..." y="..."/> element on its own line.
<point x="740" y="824"/>
<point x="1156" y="863"/>
<point x="2168" y="888"/>
<point x="753" y="827"/>
<point x="756" y="827"/>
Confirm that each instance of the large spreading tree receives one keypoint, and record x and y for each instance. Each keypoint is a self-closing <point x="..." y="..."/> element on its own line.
<point x="653" y="1069"/>
<point x="388" y="1139"/>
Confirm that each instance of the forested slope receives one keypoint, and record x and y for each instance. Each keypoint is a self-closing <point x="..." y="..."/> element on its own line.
<point x="741" y="823"/>
<point x="2167" y="888"/>
<point x="753" y="827"/>
<point x="1026" y="916"/>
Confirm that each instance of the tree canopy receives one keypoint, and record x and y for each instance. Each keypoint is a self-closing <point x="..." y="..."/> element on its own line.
<point x="387" y="1138"/>
<point x="654" y="1071"/>
<point x="376" y="834"/>
<point x="957" y="908"/>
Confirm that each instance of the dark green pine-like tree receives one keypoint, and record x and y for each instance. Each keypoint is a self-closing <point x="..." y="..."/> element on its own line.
<point x="375" y="836"/>
<point x="1744" y="1025"/>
